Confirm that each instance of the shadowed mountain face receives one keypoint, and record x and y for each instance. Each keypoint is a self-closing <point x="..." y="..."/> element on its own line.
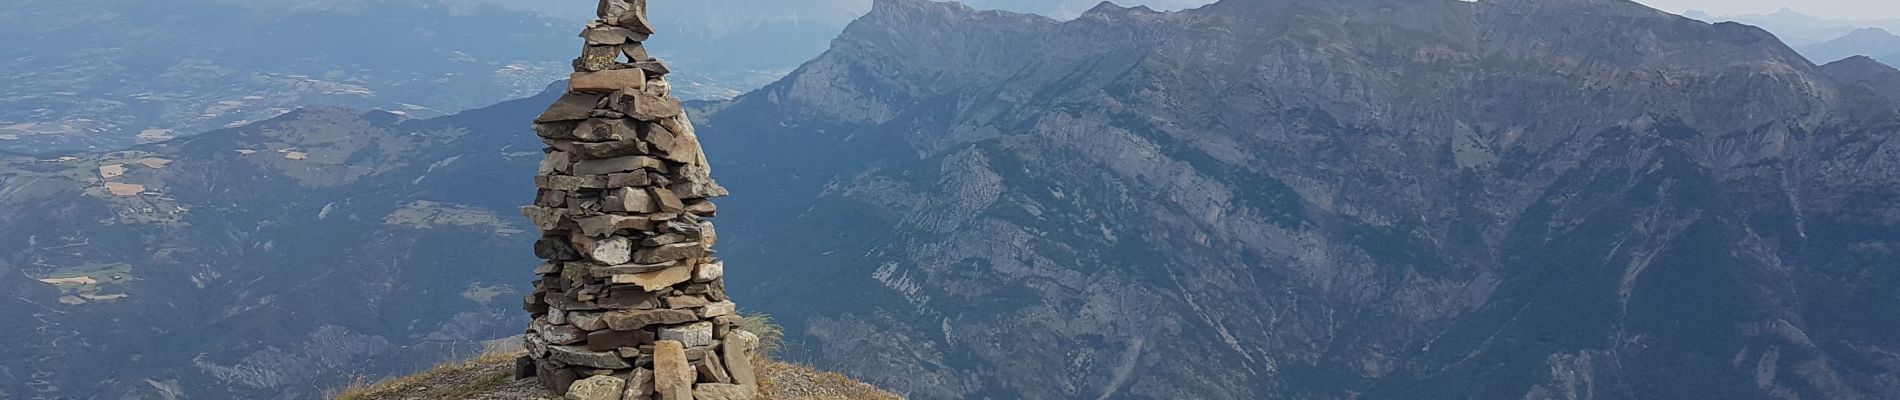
<point x="1323" y="199"/>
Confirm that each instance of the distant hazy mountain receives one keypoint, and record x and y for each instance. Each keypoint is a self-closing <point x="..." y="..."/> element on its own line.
<point x="112" y="73"/>
<point x="1871" y="42"/>
<point x="105" y="74"/>
<point x="1800" y="29"/>
<point x="729" y="47"/>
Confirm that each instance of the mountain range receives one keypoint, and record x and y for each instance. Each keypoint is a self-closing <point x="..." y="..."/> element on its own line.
<point x="109" y="74"/>
<point x="1534" y="199"/>
<point x="1345" y="199"/>
<point x="1800" y="29"/>
<point x="103" y="75"/>
<point x="1871" y="42"/>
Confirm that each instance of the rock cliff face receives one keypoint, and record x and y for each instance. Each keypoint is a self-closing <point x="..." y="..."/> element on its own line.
<point x="1323" y="199"/>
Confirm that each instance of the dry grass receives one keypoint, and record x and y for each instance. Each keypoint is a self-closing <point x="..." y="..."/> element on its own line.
<point x="489" y="376"/>
<point x="786" y="381"/>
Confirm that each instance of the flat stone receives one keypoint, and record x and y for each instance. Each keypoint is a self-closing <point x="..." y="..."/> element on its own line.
<point x="625" y="298"/>
<point x="608" y="81"/>
<point x="707" y="235"/>
<point x="627" y="13"/>
<point x="702" y="207"/>
<point x="548" y="268"/>
<point x="696" y="183"/>
<point x="576" y="355"/>
<point x="657" y="280"/>
<point x="575" y="274"/>
<point x="686" y="148"/>
<point x="699" y="353"/>
<point x="712" y="370"/>
<point x="545" y="218"/>
<point x="535" y="303"/>
<point x="604" y="130"/>
<point x="597" y="34"/>
<point x="606" y="166"/>
<point x="737" y="350"/>
<point x="601" y="387"/>
<point x="571" y="106"/>
<point x="644" y="106"/>
<point x="639" y="385"/>
<point x="665" y="239"/>
<point x="556" y="130"/>
<point x="591" y="150"/>
<point x="570" y="303"/>
<point x="658" y="86"/>
<point x="611" y="251"/>
<point x="557" y="162"/>
<point x="652" y="67"/>
<point x="598" y="58"/>
<point x="632" y="200"/>
<point x="629" y="179"/>
<point x="554" y="248"/>
<point x="718" y="309"/>
<point x="635" y="51"/>
<point x="673" y="375"/>
<point x="627" y="320"/>
<point x="570" y="183"/>
<point x="536" y="346"/>
<point x="658" y="136"/>
<point x="557" y="380"/>
<point x="524" y="367"/>
<point x="725" y="391"/>
<point x="559" y="334"/>
<point x="686" y="301"/>
<point x="608" y="224"/>
<point x="550" y="198"/>
<point x="627" y="269"/>
<point x="586" y="320"/>
<point x="671" y="252"/>
<point x="607" y="340"/>
<point x="692" y="335"/>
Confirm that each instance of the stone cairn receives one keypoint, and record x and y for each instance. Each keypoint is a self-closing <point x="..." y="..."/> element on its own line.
<point x="631" y="303"/>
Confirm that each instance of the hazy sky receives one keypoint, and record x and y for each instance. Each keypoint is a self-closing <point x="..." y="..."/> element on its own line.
<point x="1856" y="9"/>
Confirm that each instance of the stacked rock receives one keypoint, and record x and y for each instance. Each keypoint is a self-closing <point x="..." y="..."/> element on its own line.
<point x="631" y="303"/>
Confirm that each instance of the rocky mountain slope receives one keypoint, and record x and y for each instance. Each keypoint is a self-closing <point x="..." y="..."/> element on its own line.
<point x="1323" y="199"/>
